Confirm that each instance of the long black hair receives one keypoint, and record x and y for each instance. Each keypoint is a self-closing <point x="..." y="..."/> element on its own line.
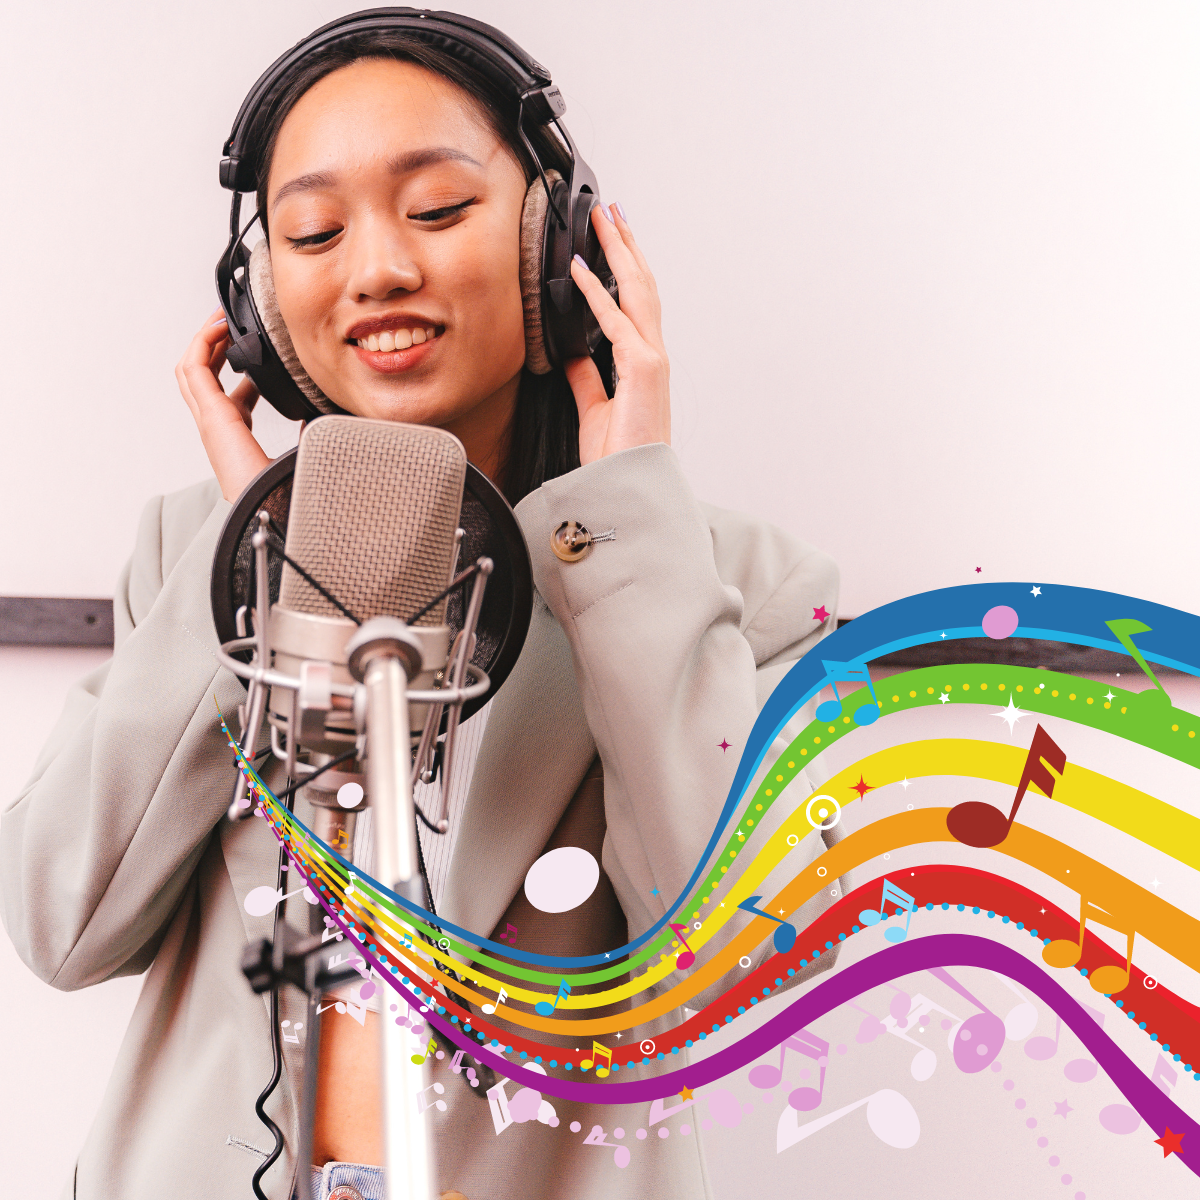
<point x="544" y="437"/>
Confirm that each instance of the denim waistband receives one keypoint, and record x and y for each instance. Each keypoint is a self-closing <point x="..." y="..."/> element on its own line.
<point x="367" y="1182"/>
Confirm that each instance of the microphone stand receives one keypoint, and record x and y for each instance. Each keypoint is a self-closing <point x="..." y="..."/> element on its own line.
<point x="384" y="655"/>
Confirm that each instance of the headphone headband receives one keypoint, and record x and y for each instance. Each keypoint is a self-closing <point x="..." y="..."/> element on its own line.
<point x="479" y="45"/>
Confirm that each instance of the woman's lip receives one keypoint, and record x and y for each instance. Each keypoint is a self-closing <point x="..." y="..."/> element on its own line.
<point x="393" y="362"/>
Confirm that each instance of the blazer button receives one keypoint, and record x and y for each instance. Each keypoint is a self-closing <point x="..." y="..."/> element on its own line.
<point x="570" y="541"/>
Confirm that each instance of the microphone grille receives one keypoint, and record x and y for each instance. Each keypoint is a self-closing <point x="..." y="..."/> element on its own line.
<point x="374" y="508"/>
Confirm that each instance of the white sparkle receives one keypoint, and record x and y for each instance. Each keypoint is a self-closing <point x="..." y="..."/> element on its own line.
<point x="1109" y="695"/>
<point x="1035" y="591"/>
<point x="906" y="783"/>
<point x="944" y="697"/>
<point x="943" y="633"/>
<point x="1043" y="912"/>
<point x="1156" y="885"/>
<point x="1012" y="714"/>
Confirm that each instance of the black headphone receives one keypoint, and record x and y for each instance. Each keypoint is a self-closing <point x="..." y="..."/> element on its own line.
<point x="556" y="221"/>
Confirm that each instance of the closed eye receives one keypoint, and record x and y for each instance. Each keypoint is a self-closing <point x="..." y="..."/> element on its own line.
<point x="440" y="214"/>
<point x="314" y="239"/>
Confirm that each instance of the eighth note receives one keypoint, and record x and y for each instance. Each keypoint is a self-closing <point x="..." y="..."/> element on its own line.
<point x="544" y="1008"/>
<point x="598" y="1052"/>
<point x="802" y="1099"/>
<point x="977" y="824"/>
<point x="1123" y="627"/>
<point x="687" y="957"/>
<point x="841" y="672"/>
<point x="500" y="999"/>
<point x="785" y="935"/>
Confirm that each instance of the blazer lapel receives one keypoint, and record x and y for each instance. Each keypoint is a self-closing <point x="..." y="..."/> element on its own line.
<point x="535" y="752"/>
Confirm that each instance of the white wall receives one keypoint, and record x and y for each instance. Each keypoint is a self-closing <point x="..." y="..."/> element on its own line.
<point x="928" y="268"/>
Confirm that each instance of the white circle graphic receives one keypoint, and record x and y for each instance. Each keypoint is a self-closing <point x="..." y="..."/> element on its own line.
<point x="562" y="879"/>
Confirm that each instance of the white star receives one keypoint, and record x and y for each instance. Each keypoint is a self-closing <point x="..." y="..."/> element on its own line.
<point x="943" y="633"/>
<point x="1043" y="912"/>
<point x="1156" y="885"/>
<point x="906" y="783"/>
<point x="1035" y="591"/>
<point x="944" y="697"/>
<point x="1109" y="695"/>
<point x="1012" y="714"/>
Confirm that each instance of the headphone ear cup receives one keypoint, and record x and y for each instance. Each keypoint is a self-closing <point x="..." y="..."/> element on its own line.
<point x="534" y="214"/>
<point x="261" y="281"/>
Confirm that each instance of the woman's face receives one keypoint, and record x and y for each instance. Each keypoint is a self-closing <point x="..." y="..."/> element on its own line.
<point x="394" y="213"/>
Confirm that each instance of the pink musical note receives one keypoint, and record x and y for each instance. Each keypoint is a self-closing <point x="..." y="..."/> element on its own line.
<point x="1042" y="1048"/>
<point x="684" y="960"/>
<point x="513" y="928"/>
<point x="870" y="1028"/>
<point x="423" y="1105"/>
<point x="596" y="1138"/>
<point x="979" y="1038"/>
<point x="1164" y="1075"/>
<point x="803" y="1099"/>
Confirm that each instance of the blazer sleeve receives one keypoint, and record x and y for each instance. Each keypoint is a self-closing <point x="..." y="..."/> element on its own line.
<point x="97" y="848"/>
<point x="668" y="657"/>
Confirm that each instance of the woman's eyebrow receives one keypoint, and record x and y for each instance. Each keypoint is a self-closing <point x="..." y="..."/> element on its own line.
<point x="400" y="164"/>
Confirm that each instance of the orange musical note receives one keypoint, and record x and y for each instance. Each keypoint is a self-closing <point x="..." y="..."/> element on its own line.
<point x="1063" y="952"/>
<point x="1123" y="628"/>
<point x="598" y="1052"/>
<point x="977" y="824"/>
<point x="684" y="960"/>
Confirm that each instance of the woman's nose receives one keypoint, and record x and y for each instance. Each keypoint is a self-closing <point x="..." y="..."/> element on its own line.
<point x="382" y="262"/>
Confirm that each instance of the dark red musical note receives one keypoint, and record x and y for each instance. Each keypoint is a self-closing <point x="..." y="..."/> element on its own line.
<point x="977" y="824"/>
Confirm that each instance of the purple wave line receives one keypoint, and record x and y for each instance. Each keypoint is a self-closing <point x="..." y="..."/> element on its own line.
<point x="939" y="950"/>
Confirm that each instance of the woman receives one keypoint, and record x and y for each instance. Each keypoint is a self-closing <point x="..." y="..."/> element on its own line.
<point x="393" y="187"/>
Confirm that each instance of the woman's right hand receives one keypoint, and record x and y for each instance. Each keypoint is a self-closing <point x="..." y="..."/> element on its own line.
<point x="224" y="421"/>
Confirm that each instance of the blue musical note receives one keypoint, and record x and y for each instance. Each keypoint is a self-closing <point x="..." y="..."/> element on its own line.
<point x="785" y="935"/>
<point x="840" y="672"/>
<point x="545" y="1008"/>
<point x="903" y="902"/>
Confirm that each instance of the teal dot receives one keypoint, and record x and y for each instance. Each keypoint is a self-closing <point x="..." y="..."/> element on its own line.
<point x="753" y="1000"/>
<point x="741" y="1009"/>
<point x="674" y="1049"/>
<point x="961" y="907"/>
<point x="524" y="1053"/>
<point x="1005" y="920"/>
<point x="945" y="907"/>
<point x="568" y="1066"/>
<point x="554" y="1062"/>
<point x="791" y="972"/>
<point x="975" y="910"/>
<point x="661" y="1055"/>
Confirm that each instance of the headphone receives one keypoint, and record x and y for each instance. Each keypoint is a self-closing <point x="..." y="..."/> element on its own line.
<point x="555" y="220"/>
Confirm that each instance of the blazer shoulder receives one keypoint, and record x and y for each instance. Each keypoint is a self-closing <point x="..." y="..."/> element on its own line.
<point x="782" y="579"/>
<point x="182" y="514"/>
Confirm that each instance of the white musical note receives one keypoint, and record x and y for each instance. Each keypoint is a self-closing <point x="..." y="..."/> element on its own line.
<point x="294" y="1036"/>
<point x="925" y="1063"/>
<point x="423" y="1104"/>
<point x="891" y="1118"/>
<point x="500" y="999"/>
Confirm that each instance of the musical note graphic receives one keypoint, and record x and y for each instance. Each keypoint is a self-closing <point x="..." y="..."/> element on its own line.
<point x="660" y="1113"/>
<point x="596" y="1138"/>
<point x="904" y="904"/>
<point x="350" y="885"/>
<point x="331" y="931"/>
<point x="841" y="672"/>
<point x="892" y="1119"/>
<point x="1123" y="628"/>
<point x="498" y="1104"/>
<point x="340" y="840"/>
<point x="598" y="1052"/>
<point x="1042" y="1048"/>
<point x="425" y="1053"/>
<point x="261" y="900"/>
<point x="424" y="1105"/>
<point x="785" y="935"/>
<point x="294" y="1036"/>
<point x="1020" y="1021"/>
<point x="977" y="824"/>
<point x="545" y="1008"/>
<point x="803" y="1099"/>
<point x="456" y="1065"/>
<point x="1120" y="1118"/>
<point x="500" y="999"/>
<point x="925" y="1062"/>
<point x="505" y="933"/>
<point x="869" y="1028"/>
<point x="1083" y="1070"/>
<point x="978" y="1040"/>
<point x="684" y="960"/>
<point x="1164" y="1075"/>
<point x="1063" y="952"/>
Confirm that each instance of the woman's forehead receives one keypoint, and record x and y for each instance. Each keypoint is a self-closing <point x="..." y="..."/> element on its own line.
<point x="380" y="106"/>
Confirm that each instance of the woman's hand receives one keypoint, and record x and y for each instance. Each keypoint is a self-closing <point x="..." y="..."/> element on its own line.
<point x="640" y="412"/>
<point x="224" y="421"/>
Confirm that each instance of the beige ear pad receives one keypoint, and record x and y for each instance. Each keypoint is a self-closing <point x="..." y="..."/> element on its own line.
<point x="533" y="233"/>
<point x="262" y="290"/>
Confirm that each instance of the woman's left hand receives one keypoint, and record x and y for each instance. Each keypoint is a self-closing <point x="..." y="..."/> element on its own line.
<point x="640" y="412"/>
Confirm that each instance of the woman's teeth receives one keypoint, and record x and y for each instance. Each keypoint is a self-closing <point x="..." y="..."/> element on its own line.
<point x="399" y="339"/>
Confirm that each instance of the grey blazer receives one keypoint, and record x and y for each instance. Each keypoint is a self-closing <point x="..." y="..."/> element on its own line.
<point x="641" y="658"/>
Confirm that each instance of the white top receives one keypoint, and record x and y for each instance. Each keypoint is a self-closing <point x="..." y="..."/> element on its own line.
<point x="437" y="849"/>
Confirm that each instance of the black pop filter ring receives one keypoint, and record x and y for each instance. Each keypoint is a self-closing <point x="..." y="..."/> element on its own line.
<point x="489" y="528"/>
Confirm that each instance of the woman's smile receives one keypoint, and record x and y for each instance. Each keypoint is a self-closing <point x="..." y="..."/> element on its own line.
<point x="394" y="344"/>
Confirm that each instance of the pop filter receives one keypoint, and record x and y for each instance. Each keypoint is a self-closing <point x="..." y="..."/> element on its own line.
<point x="489" y="528"/>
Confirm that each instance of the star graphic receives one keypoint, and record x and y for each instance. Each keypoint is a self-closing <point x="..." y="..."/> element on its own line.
<point x="1035" y="591"/>
<point x="618" y="1037"/>
<point x="978" y="569"/>
<point x="724" y="745"/>
<point x="861" y="787"/>
<point x="906" y="783"/>
<point x="1010" y="715"/>
<point x="1062" y="1108"/>
<point x="1109" y="695"/>
<point x="944" y="697"/>
<point x="1043" y="912"/>
<point x="685" y="1093"/>
<point x="943" y="633"/>
<point x="819" y="614"/>
<point x="1155" y="885"/>
<point x="1170" y="1142"/>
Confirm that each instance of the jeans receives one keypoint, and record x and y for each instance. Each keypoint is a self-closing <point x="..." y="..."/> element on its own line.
<point x="367" y="1182"/>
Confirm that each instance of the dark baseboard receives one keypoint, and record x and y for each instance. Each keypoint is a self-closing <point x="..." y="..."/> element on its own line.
<point x="55" y="621"/>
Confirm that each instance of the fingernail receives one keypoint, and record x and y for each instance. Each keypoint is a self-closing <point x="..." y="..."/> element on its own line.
<point x="220" y="321"/>
<point x="579" y="260"/>
<point x="622" y="212"/>
<point x="604" y="210"/>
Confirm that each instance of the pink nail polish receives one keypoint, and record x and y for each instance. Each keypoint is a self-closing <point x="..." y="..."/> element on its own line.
<point x="579" y="259"/>
<point x="622" y="212"/>
<point x="604" y="209"/>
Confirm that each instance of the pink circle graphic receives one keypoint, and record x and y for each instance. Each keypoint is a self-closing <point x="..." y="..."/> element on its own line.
<point x="1000" y="622"/>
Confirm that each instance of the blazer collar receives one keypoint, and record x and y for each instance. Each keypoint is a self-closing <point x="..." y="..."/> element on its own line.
<point x="535" y="752"/>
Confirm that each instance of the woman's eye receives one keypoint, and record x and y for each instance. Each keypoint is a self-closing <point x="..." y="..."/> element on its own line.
<point x="440" y="214"/>
<point x="314" y="239"/>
